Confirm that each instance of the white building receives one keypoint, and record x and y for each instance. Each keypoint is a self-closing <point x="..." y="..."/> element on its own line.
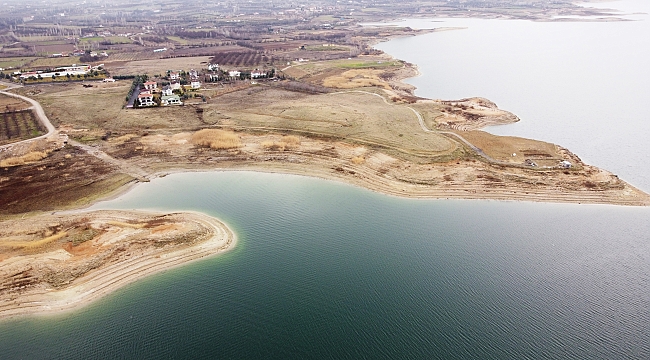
<point x="170" y="100"/>
<point x="151" y="85"/>
<point x="166" y="91"/>
<point x="146" y="99"/>
<point x="234" y="74"/>
<point x="195" y="84"/>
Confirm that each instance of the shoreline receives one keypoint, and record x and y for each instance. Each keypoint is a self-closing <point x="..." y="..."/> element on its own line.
<point x="100" y="282"/>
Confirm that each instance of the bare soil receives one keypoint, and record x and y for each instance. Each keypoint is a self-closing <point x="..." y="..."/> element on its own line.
<point x="58" y="262"/>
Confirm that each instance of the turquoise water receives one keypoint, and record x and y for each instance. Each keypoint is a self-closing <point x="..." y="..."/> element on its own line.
<point x="327" y="270"/>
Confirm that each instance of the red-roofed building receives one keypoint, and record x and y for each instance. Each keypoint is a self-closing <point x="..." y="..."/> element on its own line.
<point x="150" y="85"/>
<point x="146" y="99"/>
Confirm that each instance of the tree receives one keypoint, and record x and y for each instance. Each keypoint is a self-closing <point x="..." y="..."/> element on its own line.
<point x="39" y="77"/>
<point x="53" y="77"/>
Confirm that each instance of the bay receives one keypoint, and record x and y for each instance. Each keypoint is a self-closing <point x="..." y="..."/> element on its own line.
<point x="326" y="270"/>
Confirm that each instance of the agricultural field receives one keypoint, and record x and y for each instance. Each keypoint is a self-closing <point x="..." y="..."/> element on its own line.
<point x="239" y="58"/>
<point x="15" y="62"/>
<point x="53" y="62"/>
<point x="8" y="103"/>
<point x="19" y="125"/>
<point x="111" y="39"/>
<point x="157" y="66"/>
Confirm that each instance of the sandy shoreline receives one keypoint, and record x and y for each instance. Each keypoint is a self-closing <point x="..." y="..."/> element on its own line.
<point x="100" y="282"/>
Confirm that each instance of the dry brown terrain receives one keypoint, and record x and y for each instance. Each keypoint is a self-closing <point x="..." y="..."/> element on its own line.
<point x="157" y="66"/>
<point x="57" y="262"/>
<point x="380" y="137"/>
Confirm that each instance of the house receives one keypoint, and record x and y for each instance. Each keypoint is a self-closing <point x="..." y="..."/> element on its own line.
<point x="151" y="85"/>
<point x="175" y="86"/>
<point x="195" y="84"/>
<point x="108" y="80"/>
<point x="565" y="164"/>
<point x="170" y="100"/>
<point x="193" y="73"/>
<point x="213" y="67"/>
<point x="213" y="77"/>
<point x="234" y="74"/>
<point x="257" y="74"/>
<point x="145" y="99"/>
<point x="166" y="90"/>
<point x="174" y="76"/>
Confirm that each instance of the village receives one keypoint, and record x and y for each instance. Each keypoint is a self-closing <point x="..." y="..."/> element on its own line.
<point x="177" y="85"/>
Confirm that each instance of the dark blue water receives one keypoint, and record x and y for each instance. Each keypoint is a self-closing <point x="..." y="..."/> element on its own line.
<point x="326" y="270"/>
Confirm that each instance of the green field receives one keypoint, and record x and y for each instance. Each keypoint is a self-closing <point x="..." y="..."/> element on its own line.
<point x="112" y="39"/>
<point x="356" y="64"/>
<point x="60" y="61"/>
<point x="15" y="62"/>
<point x="18" y="125"/>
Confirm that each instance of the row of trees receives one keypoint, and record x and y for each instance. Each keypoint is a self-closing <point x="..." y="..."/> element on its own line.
<point x="68" y="76"/>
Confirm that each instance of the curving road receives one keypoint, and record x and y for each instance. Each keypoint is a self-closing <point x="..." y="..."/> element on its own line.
<point x="474" y="148"/>
<point x="38" y="109"/>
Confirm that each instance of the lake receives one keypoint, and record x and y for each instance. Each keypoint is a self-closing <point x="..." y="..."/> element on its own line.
<point x="327" y="270"/>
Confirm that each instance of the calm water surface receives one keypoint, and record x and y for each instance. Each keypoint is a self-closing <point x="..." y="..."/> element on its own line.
<point x="327" y="270"/>
<point x="582" y="85"/>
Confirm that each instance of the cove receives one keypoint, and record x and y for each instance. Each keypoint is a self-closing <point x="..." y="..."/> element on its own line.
<point x="327" y="270"/>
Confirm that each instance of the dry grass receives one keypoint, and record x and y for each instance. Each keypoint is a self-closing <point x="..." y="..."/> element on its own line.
<point x="122" y="139"/>
<point x="25" y="159"/>
<point x="62" y="61"/>
<point x="353" y="116"/>
<point x="33" y="244"/>
<point x="274" y="145"/>
<point x="158" y="66"/>
<point x="8" y="103"/>
<point x="503" y="147"/>
<point x="291" y="140"/>
<point x="287" y="142"/>
<point x="357" y="78"/>
<point x="216" y="139"/>
<point x="358" y="160"/>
